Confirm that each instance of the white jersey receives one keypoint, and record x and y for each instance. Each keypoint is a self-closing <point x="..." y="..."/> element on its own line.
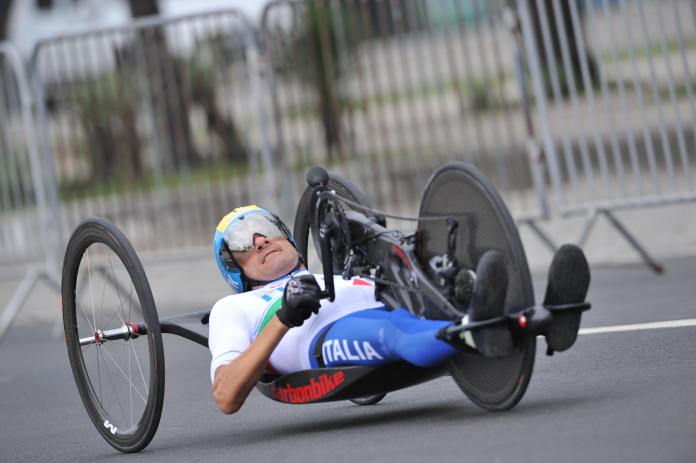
<point x="236" y="320"/>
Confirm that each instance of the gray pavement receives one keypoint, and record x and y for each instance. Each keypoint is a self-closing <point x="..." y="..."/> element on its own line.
<point x="613" y="397"/>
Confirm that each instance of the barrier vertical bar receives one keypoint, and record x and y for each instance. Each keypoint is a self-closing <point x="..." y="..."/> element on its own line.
<point x="540" y="96"/>
<point x="47" y="271"/>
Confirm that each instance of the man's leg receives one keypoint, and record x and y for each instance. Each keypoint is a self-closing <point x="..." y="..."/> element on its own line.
<point x="378" y="336"/>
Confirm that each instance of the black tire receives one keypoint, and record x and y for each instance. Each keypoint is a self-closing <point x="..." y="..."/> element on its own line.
<point x="303" y="227"/>
<point x="484" y="223"/>
<point x="368" y="400"/>
<point x="128" y="429"/>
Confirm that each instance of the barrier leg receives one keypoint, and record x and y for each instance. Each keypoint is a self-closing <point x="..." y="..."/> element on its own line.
<point x="541" y="234"/>
<point x="586" y="229"/>
<point x="652" y="263"/>
<point x="17" y="301"/>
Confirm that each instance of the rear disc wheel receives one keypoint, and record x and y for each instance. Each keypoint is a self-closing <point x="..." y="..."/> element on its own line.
<point x="460" y="190"/>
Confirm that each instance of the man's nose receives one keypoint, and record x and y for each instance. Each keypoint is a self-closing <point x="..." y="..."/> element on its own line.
<point x="260" y="241"/>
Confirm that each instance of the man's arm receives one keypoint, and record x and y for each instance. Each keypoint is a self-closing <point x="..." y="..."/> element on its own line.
<point x="234" y="381"/>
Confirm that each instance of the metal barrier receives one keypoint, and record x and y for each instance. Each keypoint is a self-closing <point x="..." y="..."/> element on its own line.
<point x="615" y="102"/>
<point x="383" y="91"/>
<point x="158" y="126"/>
<point x="24" y="238"/>
<point x="164" y="124"/>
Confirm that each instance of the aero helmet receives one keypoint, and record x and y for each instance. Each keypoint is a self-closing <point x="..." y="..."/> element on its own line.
<point x="235" y="233"/>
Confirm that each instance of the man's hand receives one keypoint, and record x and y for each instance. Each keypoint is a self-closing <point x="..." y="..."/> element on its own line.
<point x="301" y="297"/>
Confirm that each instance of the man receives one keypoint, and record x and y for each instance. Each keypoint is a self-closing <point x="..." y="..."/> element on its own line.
<point x="278" y="322"/>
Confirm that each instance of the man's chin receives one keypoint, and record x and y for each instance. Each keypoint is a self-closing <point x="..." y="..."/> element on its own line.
<point x="278" y="270"/>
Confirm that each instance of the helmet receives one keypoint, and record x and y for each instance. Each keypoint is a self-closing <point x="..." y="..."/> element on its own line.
<point x="235" y="233"/>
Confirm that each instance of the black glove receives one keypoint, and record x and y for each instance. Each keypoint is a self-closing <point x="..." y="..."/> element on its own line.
<point x="301" y="297"/>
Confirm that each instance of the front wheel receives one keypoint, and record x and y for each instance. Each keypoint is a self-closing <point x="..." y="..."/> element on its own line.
<point x="306" y="225"/>
<point x="461" y="191"/>
<point x="113" y="335"/>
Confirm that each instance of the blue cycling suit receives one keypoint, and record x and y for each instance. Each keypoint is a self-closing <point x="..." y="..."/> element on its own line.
<point x="378" y="336"/>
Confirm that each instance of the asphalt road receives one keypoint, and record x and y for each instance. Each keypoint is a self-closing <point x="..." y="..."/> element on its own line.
<point x="627" y="396"/>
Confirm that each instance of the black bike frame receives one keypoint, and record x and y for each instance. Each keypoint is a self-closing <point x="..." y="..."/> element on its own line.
<point x="392" y="255"/>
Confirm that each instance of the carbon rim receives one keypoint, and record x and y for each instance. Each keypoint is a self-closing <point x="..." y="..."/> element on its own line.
<point x="121" y="381"/>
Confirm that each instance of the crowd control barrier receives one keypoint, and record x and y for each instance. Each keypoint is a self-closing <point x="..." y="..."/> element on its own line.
<point x="614" y="96"/>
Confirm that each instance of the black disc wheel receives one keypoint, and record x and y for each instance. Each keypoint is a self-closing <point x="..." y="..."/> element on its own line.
<point x="368" y="400"/>
<point x="461" y="191"/>
<point x="113" y="335"/>
<point x="305" y="226"/>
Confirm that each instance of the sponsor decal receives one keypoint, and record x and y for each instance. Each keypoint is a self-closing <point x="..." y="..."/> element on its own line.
<point x="316" y="389"/>
<point x="110" y="427"/>
<point x="359" y="282"/>
<point x="343" y="350"/>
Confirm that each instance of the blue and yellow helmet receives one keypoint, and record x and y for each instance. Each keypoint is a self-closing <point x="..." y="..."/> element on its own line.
<point x="235" y="233"/>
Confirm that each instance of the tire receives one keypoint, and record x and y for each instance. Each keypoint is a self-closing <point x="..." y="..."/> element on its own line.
<point x="369" y="400"/>
<point x="303" y="227"/>
<point x="121" y="382"/>
<point x="484" y="223"/>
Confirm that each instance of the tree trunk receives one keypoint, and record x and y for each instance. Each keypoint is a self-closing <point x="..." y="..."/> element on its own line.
<point x="169" y="101"/>
<point x="5" y="8"/>
<point x="558" y="31"/>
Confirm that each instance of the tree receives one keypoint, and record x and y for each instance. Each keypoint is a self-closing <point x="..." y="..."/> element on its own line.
<point x="316" y="51"/>
<point x="170" y="103"/>
<point x="5" y="8"/>
<point x="558" y="32"/>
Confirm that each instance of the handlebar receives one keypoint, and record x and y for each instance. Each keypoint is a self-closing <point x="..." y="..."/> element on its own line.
<point x="318" y="179"/>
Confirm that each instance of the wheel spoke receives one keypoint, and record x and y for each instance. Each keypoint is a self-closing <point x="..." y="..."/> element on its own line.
<point x="137" y="361"/>
<point x="113" y="387"/>
<point x="124" y="374"/>
<point x="79" y="304"/>
<point x="114" y="283"/>
<point x="91" y="293"/>
<point x="130" y="389"/>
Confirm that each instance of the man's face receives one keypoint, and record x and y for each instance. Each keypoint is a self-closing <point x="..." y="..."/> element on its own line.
<point x="269" y="260"/>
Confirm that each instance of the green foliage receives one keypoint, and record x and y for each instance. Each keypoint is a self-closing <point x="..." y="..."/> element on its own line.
<point x="105" y="107"/>
<point x="318" y="51"/>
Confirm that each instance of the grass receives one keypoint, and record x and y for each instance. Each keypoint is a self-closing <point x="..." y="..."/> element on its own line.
<point x="476" y="93"/>
<point x="91" y="188"/>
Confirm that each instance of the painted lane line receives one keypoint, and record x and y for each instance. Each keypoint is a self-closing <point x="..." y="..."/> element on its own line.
<point x="640" y="326"/>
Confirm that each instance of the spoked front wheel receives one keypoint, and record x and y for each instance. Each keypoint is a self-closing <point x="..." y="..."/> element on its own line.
<point x="461" y="191"/>
<point x="113" y="335"/>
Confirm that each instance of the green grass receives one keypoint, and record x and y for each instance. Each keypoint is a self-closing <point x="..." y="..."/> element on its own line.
<point x="475" y="94"/>
<point x="624" y="54"/>
<point x="90" y="188"/>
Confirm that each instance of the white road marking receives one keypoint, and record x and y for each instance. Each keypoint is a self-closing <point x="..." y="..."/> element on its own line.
<point x="640" y="326"/>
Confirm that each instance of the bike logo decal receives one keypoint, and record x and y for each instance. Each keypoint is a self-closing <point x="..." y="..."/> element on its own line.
<point x="336" y="350"/>
<point x="110" y="427"/>
<point x="316" y="389"/>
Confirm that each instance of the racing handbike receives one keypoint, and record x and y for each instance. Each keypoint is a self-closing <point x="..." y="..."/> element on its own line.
<point x="114" y="334"/>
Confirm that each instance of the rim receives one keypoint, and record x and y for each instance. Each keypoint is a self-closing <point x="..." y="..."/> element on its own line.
<point x="116" y="369"/>
<point x="497" y="383"/>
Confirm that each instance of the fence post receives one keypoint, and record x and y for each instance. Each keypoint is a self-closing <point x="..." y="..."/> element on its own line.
<point x="47" y="270"/>
<point x="539" y="95"/>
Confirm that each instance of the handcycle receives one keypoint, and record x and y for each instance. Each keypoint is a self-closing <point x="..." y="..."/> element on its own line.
<point x="116" y="351"/>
